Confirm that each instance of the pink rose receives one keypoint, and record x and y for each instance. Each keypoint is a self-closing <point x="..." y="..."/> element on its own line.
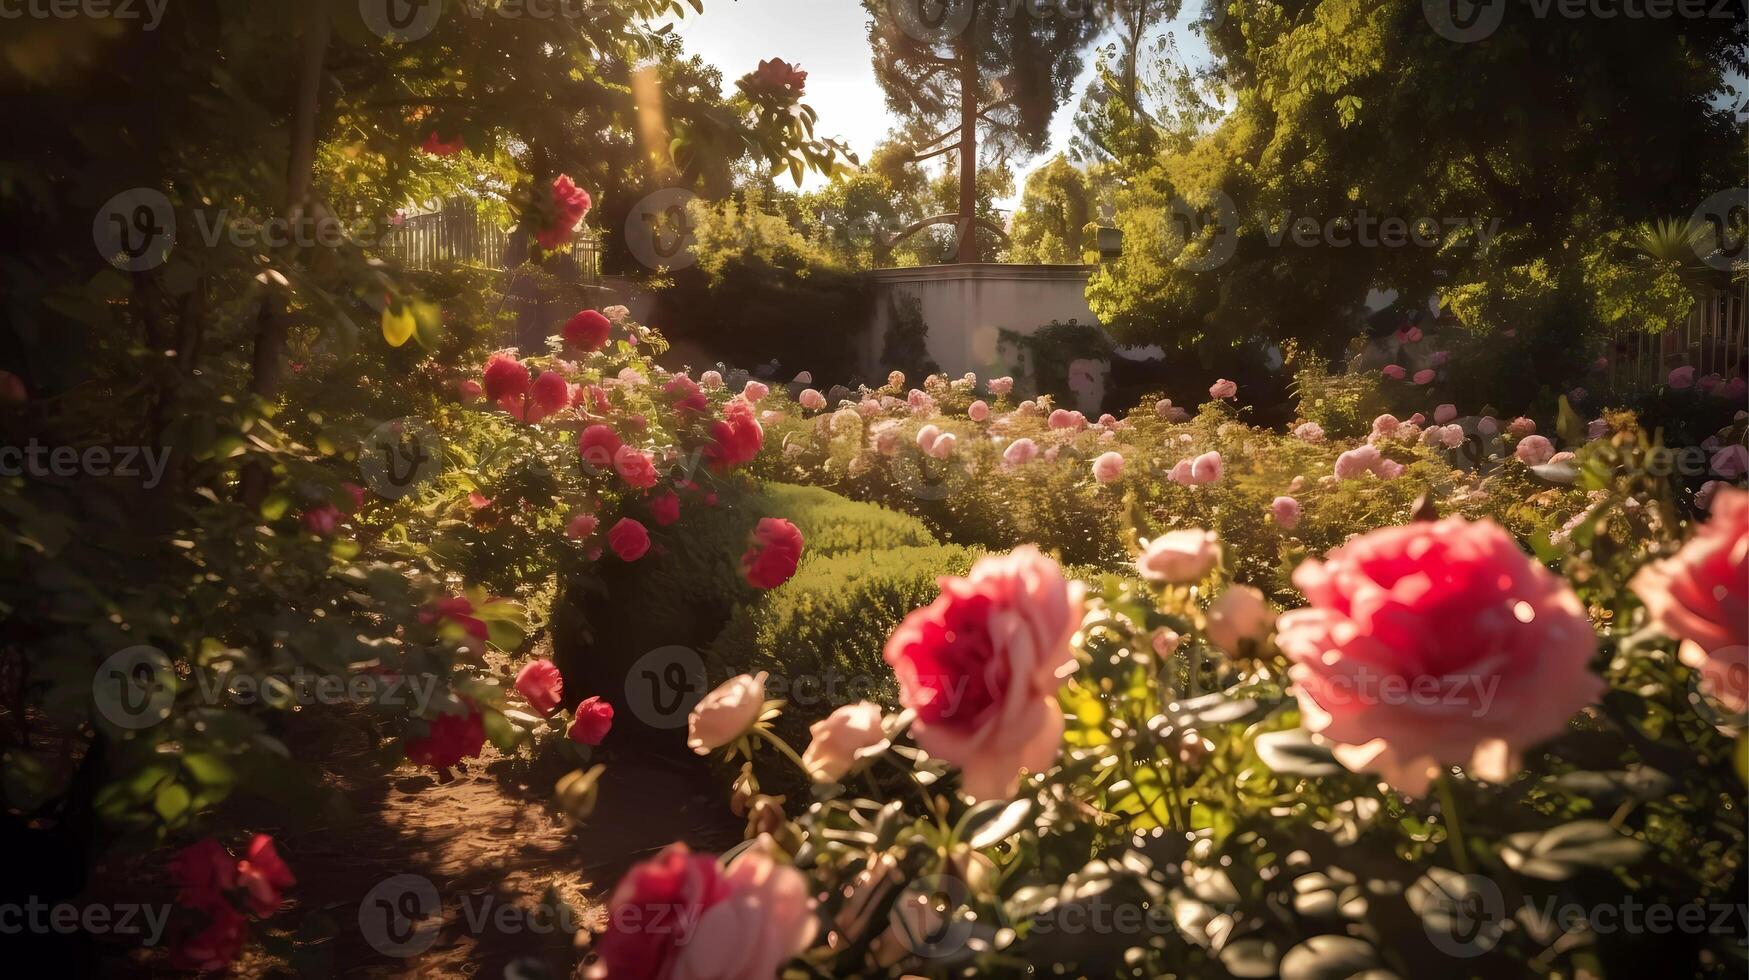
<point x="665" y="508"/>
<point x="654" y="911"/>
<point x="1020" y="452"/>
<point x="1520" y="427"/>
<point x="1733" y="390"/>
<point x="1108" y="467"/>
<point x="726" y="713"/>
<point x="1731" y="462"/>
<point x="997" y="387"/>
<point x="1700" y="595"/>
<point x="1395" y="372"/>
<point x="1286" y="511"/>
<point x="591" y="722"/>
<point x="981" y="666"/>
<point x="753" y="391"/>
<point x="1384" y="427"/>
<point x="811" y="399"/>
<point x="1534" y="450"/>
<point x="1309" y="432"/>
<point x="1436" y="643"/>
<point x="1223" y="388"/>
<point x="541" y="685"/>
<point x="628" y="539"/>
<point x="1180" y="557"/>
<point x="635" y="467"/>
<point x="978" y="411"/>
<point x="1061" y="419"/>
<point x="1357" y="462"/>
<point x="1181" y="473"/>
<point x="1206" y="469"/>
<point x="581" y="526"/>
<point x="1238" y="616"/>
<point x="1451" y="436"/>
<point x="1487" y="426"/>
<point x="1388" y="469"/>
<point x="1423" y="376"/>
<point x="1682" y="377"/>
<point x="842" y="739"/>
<point x="765" y="919"/>
<point x="711" y="380"/>
<point x="1445" y="413"/>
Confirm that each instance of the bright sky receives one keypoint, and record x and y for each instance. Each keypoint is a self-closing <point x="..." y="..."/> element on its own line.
<point x="829" y="38"/>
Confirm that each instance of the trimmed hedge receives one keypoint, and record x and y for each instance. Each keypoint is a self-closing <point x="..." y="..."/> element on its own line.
<point x="689" y="586"/>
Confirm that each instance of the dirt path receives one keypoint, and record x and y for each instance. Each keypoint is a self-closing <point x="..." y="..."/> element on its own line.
<point x="454" y="879"/>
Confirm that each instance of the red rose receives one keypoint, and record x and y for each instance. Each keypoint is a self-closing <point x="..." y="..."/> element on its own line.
<point x="665" y="509"/>
<point x="628" y="539"/>
<point x="437" y="146"/>
<point x="216" y="946"/>
<point x="451" y="739"/>
<point x="772" y="556"/>
<point x="653" y="910"/>
<point x="1700" y="595"/>
<point x="264" y="876"/>
<point x="781" y="77"/>
<point x="568" y="204"/>
<point x="597" y="446"/>
<point x="203" y="871"/>
<point x="635" y="467"/>
<point x="685" y="395"/>
<point x="736" y="438"/>
<point x="321" y="520"/>
<point x="505" y="376"/>
<point x="587" y="330"/>
<point x="540" y="682"/>
<point x="591" y="721"/>
<point x="551" y="392"/>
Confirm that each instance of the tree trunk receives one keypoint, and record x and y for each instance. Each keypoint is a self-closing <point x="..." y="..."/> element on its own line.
<point x="270" y="331"/>
<point x="967" y="251"/>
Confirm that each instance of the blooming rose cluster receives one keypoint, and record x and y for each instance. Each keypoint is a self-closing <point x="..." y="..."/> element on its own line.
<point x="1700" y="595"/>
<point x="209" y="881"/>
<point x="566" y="205"/>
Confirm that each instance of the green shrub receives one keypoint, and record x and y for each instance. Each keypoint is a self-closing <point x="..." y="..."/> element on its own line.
<point x="689" y="585"/>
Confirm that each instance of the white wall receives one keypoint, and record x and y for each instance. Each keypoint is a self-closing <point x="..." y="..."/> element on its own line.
<point x="967" y="307"/>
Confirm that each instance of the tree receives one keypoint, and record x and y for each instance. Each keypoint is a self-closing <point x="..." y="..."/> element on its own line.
<point x="981" y="80"/>
<point x="1055" y="209"/>
<point x="1527" y="151"/>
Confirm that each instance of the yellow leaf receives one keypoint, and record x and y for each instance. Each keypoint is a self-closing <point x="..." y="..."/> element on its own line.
<point x="397" y="327"/>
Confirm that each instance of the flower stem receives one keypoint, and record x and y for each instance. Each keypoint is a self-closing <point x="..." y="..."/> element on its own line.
<point x="783" y="747"/>
<point x="1454" y="831"/>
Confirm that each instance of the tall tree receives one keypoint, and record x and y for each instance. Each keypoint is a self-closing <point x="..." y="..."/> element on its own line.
<point x="1519" y="159"/>
<point x="985" y="77"/>
<point x="1055" y="208"/>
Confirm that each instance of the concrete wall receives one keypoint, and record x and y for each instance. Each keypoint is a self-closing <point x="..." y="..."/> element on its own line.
<point x="967" y="307"/>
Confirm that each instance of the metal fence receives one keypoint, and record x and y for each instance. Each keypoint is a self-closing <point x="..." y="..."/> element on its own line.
<point x="457" y="232"/>
<point x="1714" y="338"/>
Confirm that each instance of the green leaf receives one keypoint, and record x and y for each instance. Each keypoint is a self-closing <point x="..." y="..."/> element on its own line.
<point x="1558" y="854"/>
<point x="1294" y="753"/>
<point x="171" y="802"/>
<point x="992" y="822"/>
